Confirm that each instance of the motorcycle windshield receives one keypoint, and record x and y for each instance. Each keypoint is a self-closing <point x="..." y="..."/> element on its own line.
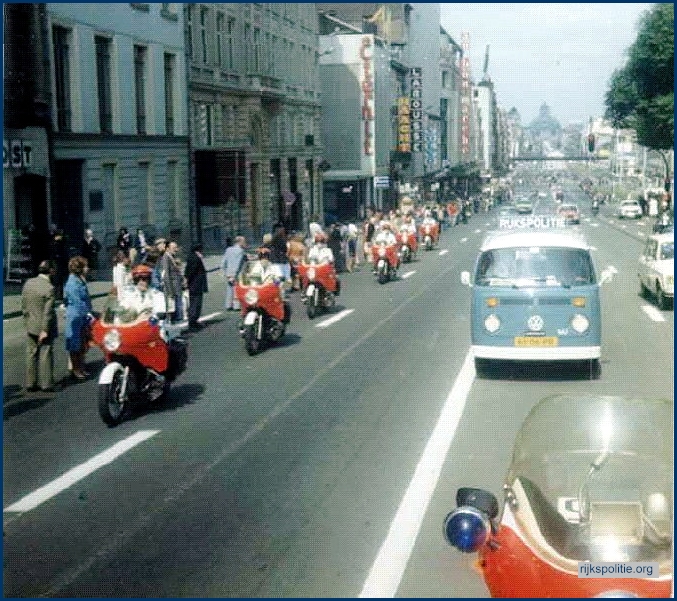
<point x="115" y="313"/>
<point x="591" y="478"/>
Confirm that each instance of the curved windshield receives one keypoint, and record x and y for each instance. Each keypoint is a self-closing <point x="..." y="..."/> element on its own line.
<point x="592" y="476"/>
<point x="116" y="314"/>
<point x="535" y="266"/>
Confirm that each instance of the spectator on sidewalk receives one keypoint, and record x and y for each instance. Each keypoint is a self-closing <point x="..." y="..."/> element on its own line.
<point x="78" y="306"/>
<point x="91" y="248"/>
<point x="196" y="278"/>
<point x="231" y="266"/>
<point x="37" y="306"/>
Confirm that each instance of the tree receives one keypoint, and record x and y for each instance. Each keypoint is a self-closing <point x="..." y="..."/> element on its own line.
<point x="641" y="95"/>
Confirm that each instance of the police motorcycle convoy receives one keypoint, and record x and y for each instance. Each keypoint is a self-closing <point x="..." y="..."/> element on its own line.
<point x="264" y="311"/>
<point x="589" y="488"/>
<point x="143" y="353"/>
<point x="385" y="254"/>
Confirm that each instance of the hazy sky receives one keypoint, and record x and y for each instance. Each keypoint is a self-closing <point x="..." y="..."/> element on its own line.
<point x="560" y="54"/>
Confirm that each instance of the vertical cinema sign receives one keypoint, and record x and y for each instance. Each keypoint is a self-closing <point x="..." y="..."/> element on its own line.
<point x="465" y="98"/>
<point x="403" y="125"/>
<point x="416" y="95"/>
<point x="367" y="102"/>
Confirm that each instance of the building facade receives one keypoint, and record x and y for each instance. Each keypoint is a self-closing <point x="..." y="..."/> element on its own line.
<point x="254" y="115"/>
<point x="120" y="145"/>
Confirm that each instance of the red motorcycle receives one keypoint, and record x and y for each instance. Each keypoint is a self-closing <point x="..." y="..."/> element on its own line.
<point x="386" y="259"/>
<point x="265" y="314"/>
<point x="142" y="355"/>
<point x="429" y="234"/>
<point x="408" y="242"/>
<point x="320" y="286"/>
<point x="589" y="489"/>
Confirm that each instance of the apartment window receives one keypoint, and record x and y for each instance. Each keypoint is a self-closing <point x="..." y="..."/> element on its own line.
<point x="257" y="50"/>
<point x="247" y="47"/>
<point x="189" y="30"/>
<point x="168" y="11"/>
<point x="62" y="77"/>
<point x="170" y="74"/>
<point x="220" y="21"/>
<point x="274" y="50"/>
<point x="205" y="124"/>
<point x="204" y="14"/>
<point x="103" y="82"/>
<point x="230" y="50"/>
<point x="140" y="60"/>
<point x="173" y="188"/>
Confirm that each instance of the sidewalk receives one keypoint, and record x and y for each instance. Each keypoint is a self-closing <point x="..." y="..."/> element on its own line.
<point x="11" y="299"/>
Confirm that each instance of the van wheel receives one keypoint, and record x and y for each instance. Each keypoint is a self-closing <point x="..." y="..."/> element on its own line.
<point x="662" y="300"/>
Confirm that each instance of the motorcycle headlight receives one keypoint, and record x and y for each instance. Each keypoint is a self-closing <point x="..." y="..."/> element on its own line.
<point x="311" y="273"/>
<point x="251" y="297"/>
<point x="492" y="323"/>
<point x="382" y="251"/>
<point x="466" y="529"/>
<point x="112" y="341"/>
<point x="580" y="323"/>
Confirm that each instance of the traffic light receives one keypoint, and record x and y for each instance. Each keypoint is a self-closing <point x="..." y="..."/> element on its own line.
<point x="591" y="142"/>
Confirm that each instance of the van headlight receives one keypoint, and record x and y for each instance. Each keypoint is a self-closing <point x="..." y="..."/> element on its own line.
<point x="112" y="341"/>
<point x="492" y="323"/>
<point x="580" y="323"/>
<point x="251" y="297"/>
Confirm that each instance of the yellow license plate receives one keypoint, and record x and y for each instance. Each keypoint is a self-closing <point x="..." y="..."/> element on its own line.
<point x="536" y="341"/>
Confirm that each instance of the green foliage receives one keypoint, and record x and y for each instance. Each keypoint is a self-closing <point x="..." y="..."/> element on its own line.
<point x="641" y="94"/>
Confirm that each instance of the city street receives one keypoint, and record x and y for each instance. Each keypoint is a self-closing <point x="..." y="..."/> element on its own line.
<point x="322" y="467"/>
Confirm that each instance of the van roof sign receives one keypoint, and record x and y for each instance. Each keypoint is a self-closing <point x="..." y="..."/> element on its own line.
<point x="531" y="221"/>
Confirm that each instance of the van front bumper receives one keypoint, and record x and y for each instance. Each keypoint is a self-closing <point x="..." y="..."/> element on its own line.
<point x="558" y="353"/>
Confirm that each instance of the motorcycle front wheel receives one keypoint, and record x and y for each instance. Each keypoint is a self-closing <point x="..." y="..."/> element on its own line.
<point x="311" y="308"/>
<point x="113" y="403"/>
<point x="251" y="341"/>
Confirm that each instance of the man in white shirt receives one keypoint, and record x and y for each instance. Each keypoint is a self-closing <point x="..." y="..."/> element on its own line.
<point x="319" y="252"/>
<point x="141" y="297"/>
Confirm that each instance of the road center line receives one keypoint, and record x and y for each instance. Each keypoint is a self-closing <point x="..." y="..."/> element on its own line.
<point x="334" y="318"/>
<point x="386" y="572"/>
<point x="32" y="500"/>
<point x="444" y="251"/>
<point x="653" y="313"/>
<point x="210" y="316"/>
<point x="408" y="274"/>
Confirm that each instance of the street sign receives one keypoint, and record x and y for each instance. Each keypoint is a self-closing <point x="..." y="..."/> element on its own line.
<point x="381" y="181"/>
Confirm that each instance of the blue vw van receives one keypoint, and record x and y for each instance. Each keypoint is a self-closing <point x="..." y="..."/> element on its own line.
<point x="535" y="297"/>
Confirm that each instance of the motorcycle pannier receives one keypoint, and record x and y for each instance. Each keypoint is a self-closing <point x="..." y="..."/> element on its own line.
<point x="178" y="357"/>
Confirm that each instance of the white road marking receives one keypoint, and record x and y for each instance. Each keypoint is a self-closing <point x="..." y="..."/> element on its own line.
<point x="594" y="224"/>
<point x="478" y="231"/>
<point x="593" y="248"/>
<point x="210" y="316"/>
<point x="408" y="274"/>
<point x="386" y="572"/>
<point x="444" y="252"/>
<point x="653" y="313"/>
<point x="463" y="240"/>
<point x="334" y="318"/>
<point x="32" y="500"/>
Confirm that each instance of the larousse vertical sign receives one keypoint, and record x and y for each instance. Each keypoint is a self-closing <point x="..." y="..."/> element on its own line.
<point x="465" y="98"/>
<point x="416" y="94"/>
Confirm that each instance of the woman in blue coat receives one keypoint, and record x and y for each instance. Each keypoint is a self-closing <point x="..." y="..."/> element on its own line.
<point x="78" y="306"/>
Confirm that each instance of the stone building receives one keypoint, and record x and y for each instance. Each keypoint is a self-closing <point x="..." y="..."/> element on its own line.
<point x="118" y="106"/>
<point x="254" y="117"/>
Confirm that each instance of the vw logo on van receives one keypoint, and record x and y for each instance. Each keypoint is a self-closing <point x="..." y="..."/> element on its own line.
<point x="535" y="323"/>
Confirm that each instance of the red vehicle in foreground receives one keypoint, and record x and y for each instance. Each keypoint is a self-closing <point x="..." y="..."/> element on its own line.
<point x="143" y="355"/>
<point x="265" y="314"/>
<point x="429" y="233"/>
<point x="320" y="286"/>
<point x="408" y="242"/>
<point x="386" y="259"/>
<point x="590" y="483"/>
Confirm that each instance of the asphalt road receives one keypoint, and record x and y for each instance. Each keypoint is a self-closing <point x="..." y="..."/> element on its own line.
<point x="290" y="473"/>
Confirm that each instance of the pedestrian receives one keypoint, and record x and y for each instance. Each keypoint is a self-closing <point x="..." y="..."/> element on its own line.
<point x="59" y="254"/>
<point x="156" y="254"/>
<point x="231" y="265"/>
<point x="124" y="242"/>
<point x="279" y="254"/>
<point x="141" y="247"/>
<point x="78" y="307"/>
<point x="296" y="255"/>
<point x="91" y="248"/>
<point x="121" y="273"/>
<point x="314" y="227"/>
<point x="37" y="306"/>
<point x="336" y="243"/>
<point x="196" y="279"/>
<point x="352" y="262"/>
<point x="172" y="281"/>
<point x="368" y="232"/>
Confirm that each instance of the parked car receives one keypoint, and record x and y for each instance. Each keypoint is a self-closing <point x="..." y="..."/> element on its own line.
<point x="629" y="209"/>
<point x="656" y="268"/>
<point x="570" y="213"/>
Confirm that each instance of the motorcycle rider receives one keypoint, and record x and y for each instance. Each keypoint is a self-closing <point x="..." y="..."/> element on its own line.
<point x="141" y="297"/>
<point x="385" y="235"/>
<point x="319" y="252"/>
<point x="263" y="270"/>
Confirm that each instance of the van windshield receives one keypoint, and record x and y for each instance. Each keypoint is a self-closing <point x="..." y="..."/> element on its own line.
<point x="535" y="266"/>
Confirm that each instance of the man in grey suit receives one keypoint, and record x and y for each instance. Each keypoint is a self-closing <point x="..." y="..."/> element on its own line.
<point x="231" y="265"/>
<point x="37" y="306"/>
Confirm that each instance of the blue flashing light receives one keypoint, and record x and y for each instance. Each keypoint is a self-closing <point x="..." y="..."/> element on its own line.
<point x="466" y="529"/>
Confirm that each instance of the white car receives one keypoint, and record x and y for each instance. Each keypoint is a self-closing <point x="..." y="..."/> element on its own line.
<point x="656" y="268"/>
<point x="629" y="208"/>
